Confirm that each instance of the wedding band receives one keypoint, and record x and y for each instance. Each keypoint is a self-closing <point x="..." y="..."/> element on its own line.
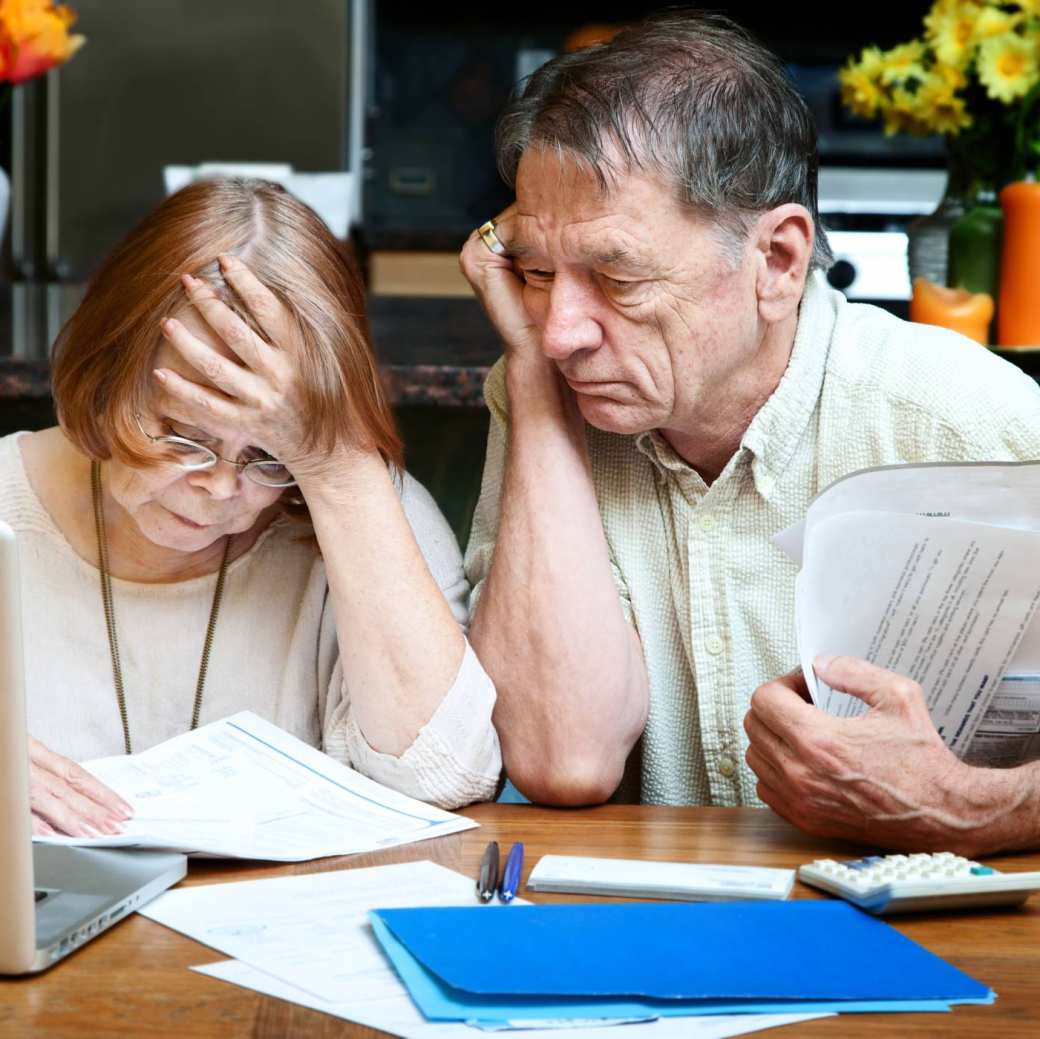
<point x="490" y="239"/>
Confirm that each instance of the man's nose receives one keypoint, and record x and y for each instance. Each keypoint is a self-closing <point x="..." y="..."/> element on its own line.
<point x="570" y="322"/>
<point x="221" y="481"/>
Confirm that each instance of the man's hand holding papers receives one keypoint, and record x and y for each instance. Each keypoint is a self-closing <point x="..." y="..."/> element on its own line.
<point x="883" y="778"/>
<point x="916" y="614"/>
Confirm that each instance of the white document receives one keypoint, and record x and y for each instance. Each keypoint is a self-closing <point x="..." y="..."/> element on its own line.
<point x="311" y="931"/>
<point x="931" y="571"/>
<point x="639" y="878"/>
<point x="1003" y="494"/>
<point x="1009" y="733"/>
<point x="307" y="939"/>
<point x="399" y="1016"/>
<point x="243" y="788"/>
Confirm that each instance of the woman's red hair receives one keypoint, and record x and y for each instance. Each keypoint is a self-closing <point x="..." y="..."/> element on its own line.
<point x="101" y="365"/>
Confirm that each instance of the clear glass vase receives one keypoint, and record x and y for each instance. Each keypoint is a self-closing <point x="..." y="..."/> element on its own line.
<point x="928" y="237"/>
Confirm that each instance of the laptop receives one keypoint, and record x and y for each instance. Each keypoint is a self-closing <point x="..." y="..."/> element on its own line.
<point x="52" y="898"/>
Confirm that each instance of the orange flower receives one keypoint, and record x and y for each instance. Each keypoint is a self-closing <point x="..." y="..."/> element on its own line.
<point x="34" y="37"/>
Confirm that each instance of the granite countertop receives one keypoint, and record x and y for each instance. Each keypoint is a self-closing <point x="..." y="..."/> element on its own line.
<point x="432" y="351"/>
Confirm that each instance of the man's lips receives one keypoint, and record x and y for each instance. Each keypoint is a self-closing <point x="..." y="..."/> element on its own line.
<point x="592" y="386"/>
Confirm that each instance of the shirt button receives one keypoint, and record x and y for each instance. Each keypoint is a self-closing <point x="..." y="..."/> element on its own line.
<point x="707" y="523"/>
<point x="727" y="766"/>
<point x="714" y="645"/>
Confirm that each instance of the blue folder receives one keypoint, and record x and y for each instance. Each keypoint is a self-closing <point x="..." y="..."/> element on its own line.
<point x="490" y="965"/>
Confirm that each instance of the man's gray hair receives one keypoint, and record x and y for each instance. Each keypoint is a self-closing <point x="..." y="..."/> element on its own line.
<point x="687" y="94"/>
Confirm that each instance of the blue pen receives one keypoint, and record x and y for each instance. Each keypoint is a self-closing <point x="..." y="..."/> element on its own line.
<point x="511" y="874"/>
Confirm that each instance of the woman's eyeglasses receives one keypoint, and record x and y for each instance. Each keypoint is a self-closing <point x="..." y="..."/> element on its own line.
<point x="192" y="456"/>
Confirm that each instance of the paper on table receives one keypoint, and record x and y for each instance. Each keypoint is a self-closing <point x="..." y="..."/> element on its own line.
<point x="243" y="788"/>
<point x="307" y="939"/>
<point x="941" y="601"/>
<point x="311" y="931"/>
<point x="397" y="1014"/>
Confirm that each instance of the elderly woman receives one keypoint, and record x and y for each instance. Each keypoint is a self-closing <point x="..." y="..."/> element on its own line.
<point x="221" y="520"/>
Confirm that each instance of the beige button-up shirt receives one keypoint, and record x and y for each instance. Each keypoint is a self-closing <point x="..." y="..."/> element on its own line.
<point x="696" y="568"/>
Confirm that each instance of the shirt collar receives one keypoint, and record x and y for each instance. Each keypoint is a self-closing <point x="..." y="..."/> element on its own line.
<point x="776" y="429"/>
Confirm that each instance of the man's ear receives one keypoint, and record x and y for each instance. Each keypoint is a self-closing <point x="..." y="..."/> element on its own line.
<point x="783" y="247"/>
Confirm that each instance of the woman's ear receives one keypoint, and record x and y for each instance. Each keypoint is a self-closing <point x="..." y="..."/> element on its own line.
<point x="784" y="243"/>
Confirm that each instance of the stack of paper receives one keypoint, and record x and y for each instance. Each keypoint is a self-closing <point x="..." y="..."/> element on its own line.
<point x="502" y="968"/>
<point x="307" y="939"/>
<point x="931" y="571"/>
<point x="243" y="788"/>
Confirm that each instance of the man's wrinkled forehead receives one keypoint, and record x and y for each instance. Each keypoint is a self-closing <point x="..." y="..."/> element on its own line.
<point x="605" y="251"/>
<point x="552" y="176"/>
<point x="565" y="203"/>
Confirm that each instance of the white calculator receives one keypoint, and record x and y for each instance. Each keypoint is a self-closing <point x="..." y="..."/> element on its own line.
<point x="917" y="883"/>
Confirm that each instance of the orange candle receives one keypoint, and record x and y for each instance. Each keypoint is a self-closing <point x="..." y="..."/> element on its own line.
<point x="1018" y="318"/>
<point x="969" y="313"/>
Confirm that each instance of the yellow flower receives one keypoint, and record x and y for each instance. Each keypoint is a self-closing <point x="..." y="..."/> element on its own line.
<point x="894" y="121"/>
<point x="1007" y="66"/>
<point x="950" y="76"/>
<point x="871" y="61"/>
<point x="860" y="91"/>
<point x="903" y="62"/>
<point x="34" y="37"/>
<point x="993" y="21"/>
<point x="951" y="30"/>
<point x="939" y="107"/>
<point x="902" y="114"/>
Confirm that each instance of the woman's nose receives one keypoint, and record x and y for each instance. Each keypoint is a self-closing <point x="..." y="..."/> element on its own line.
<point x="220" y="481"/>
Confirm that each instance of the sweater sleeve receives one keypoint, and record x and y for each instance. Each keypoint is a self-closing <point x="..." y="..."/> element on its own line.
<point x="455" y="758"/>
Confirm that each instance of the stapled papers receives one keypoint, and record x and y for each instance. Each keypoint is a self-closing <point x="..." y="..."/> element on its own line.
<point x="584" y="961"/>
<point x="243" y="788"/>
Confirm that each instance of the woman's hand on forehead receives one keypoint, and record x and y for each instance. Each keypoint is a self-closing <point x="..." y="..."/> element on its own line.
<point x="257" y="395"/>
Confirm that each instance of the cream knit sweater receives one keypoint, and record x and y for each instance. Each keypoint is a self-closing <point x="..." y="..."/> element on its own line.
<point x="274" y="652"/>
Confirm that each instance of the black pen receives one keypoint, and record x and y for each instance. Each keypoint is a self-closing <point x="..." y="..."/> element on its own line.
<point x="487" y="880"/>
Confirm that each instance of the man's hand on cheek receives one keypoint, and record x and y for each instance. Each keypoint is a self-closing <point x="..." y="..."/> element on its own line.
<point x="884" y="778"/>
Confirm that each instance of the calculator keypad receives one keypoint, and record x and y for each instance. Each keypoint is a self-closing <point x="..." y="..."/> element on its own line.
<point x="876" y="870"/>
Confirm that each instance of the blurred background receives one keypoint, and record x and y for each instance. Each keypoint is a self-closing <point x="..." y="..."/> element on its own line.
<point x="381" y="114"/>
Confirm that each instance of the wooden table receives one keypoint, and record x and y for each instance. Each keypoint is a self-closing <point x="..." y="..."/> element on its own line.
<point x="134" y="980"/>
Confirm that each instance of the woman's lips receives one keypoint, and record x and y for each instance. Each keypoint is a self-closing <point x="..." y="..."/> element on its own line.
<point x="189" y="523"/>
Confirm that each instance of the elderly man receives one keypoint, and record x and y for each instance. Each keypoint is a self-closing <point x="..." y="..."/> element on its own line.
<point x="678" y="383"/>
